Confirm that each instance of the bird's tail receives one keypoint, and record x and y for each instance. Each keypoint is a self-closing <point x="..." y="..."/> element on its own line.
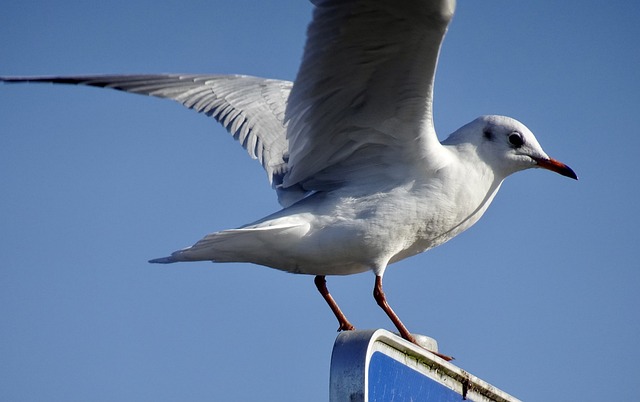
<point x="258" y="244"/>
<point x="164" y="260"/>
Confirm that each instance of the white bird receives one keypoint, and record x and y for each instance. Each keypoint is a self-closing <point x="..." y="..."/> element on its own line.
<point x="350" y="147"/>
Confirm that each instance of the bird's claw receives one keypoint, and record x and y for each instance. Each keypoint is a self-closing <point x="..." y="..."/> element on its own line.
<point x="345" y="326"/>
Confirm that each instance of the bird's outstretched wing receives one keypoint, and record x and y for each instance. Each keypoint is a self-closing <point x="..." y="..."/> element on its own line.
<point x="362" y="100"/>
<point x="250" y="108"/>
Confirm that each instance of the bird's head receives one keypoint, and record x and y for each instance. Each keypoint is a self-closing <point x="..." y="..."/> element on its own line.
<point x="507" y="146"/>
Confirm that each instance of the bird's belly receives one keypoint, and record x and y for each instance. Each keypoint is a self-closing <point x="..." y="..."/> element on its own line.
<point x="440" y="228"/>
<point x="431" y="240"/>
<point x="327" y="251"/>
<point x="366" y="233"/>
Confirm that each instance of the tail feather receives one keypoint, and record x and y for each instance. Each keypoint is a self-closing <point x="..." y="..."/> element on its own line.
<point x="257" y="244"/>
<point x="176" y="256"/>
<point x="163" y="260"/>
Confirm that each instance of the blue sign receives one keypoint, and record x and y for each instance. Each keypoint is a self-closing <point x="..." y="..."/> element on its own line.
<point x="376" y="365"/>
<point x="390" y="380"/>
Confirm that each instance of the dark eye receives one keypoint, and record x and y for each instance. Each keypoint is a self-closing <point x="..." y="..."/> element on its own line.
<point x="516" y="140"/>
<point x="488" y="134"/>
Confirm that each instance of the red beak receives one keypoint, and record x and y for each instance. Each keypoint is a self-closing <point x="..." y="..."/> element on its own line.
<point x="556" y="166"/>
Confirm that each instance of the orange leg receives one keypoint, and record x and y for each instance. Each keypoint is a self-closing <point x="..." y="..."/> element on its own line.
<point x="378" y="294"/>
<point x="321" y="284"/>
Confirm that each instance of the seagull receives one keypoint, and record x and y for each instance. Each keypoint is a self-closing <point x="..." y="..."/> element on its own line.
<point x="350" y="147"/>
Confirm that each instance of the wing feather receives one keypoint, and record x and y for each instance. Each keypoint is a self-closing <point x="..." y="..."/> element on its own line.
<point x="252" y="110"/>
<point x="361" y="103"/>
<point x="364" y="89"/>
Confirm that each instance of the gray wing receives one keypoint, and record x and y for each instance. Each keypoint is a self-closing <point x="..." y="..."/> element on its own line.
<point x="250" y="108"/>
<point x="361" y="104"/>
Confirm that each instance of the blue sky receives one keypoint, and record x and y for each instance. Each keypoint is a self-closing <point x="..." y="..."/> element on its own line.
<point x="540" y="298"/>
